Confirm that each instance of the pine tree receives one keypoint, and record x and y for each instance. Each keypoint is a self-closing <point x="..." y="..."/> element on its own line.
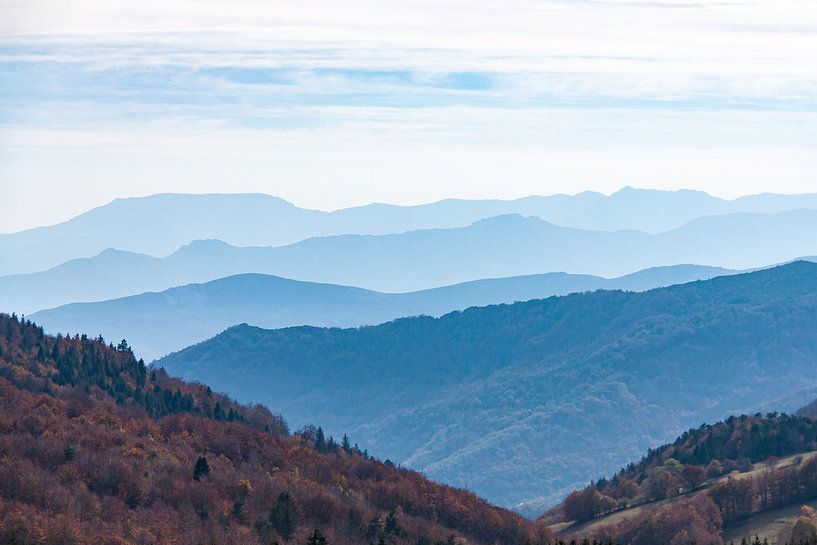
<point x="347" y="447"/>
<point x="375" y="527"/>
<point x="393" y="525"/>
<point x="238" y="511"/>
<point x="218" y="412"/>
<point x="320" y="441"/>
<point x="284" y="516"/>
<point x="317" y="538"/>
<point x="202" y="468"/>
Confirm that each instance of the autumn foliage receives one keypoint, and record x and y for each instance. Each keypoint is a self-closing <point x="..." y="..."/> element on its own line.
<point x="706" y="475"/>
<point x="97" y="449"/>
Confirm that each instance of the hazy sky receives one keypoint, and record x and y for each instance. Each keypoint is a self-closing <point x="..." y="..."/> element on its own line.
<point x="329" y="104"/>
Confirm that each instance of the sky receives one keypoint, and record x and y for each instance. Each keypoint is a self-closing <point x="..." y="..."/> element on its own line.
<point x="333" y="104"/>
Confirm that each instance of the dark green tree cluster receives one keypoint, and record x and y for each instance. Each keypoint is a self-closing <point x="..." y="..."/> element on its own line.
<point x="284" y="516"/>
<point x="80" y="361"/>
<point x="735" y="441"/>
<point x="317" y="438"/>
<point x="202" y="468"/>
<point x="316" y="538"/>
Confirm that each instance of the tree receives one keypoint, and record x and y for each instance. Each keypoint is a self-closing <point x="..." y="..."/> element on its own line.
<point x="347" y="447"/>
<point x="317" y="538"/>
<point x="744" y="465"/>
<point x="692" y="521"/>
<point x="376" y="527"/>
<point x="393" y="526"/>
<point x="714" y="469"/>
<point x="734" y="498"/>
<point x="238" y="511"/>
<point x="804" y="530"/>
<point x="661" y="484"/>
<point x="284" y="516"/>
<point x="202" y="468"/>
<point x="320" y="441"/>
<point x="68" y="453"/>
<point x="694" y="475"/>
<point x="585" y="504"/>
<point x="626" y="488"/>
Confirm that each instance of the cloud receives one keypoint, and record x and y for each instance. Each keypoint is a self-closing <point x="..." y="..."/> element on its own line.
<point x="343" y="102"/>
<point x="722" y="53"/>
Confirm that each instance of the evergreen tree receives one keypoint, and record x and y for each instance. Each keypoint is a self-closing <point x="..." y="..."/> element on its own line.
<point x="202" y="468"/>
<point x="375" y="527"/>
<point x="238" y="511"/>
<point x="218" y="412"/>
<point x="123" y="346"/>
<point x="284" y="516"/>
<point x="393" y="526"/>
<point x="320" y="441"/>
<point x="347" y="447"/>
<point x="317" y="538"/>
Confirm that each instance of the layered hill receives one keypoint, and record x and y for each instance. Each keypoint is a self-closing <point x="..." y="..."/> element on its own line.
<point x="94" y="448"/>
<point x="496" y="247"/>
<point x="488" y="398"/>
<point x="158" y="224"/>
<point x="749" y="476"/>
<point x="156" y="324"/>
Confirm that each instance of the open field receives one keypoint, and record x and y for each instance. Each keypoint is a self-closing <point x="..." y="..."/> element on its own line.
<point x="772" y="525"/>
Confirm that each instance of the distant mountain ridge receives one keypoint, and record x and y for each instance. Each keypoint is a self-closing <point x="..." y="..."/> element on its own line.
<point x="524" y="402"/>
<point x="159" y="224"/>
<point x="491" y="248"/>
<point x="156" y="324"/>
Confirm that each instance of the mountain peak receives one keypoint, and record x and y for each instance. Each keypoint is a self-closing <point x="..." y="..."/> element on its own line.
<point x="629" y="190"/>
<point x="509" y="220"/>
<point x="203" y="246"/>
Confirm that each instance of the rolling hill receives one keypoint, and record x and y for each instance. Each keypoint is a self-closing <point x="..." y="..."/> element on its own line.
<point x="94" y="448"/>
<point x="159" y="224"/>
<point x="754" y="471"/>
<point x="416" y="260"/>
<point x="156" y="324"/>
<point x="524" y="402"/>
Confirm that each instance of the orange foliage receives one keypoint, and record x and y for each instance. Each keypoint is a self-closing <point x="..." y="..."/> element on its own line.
<point x="94" y="449"/>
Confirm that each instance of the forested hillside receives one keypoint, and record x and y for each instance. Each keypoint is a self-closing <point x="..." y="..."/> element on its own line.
<point x="710" y="479"/>
<point x="156" y="324"/>
<point x="486" y="398"/>
<point x="696" y="458"/>
<point x="96" y="449"/>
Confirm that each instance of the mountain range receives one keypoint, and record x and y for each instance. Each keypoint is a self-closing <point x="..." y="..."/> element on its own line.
<point x="156" y="324"/>
<point x="524" y="402"/>
<point x="496" y="247"/>
<point x="159" y="224"/>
